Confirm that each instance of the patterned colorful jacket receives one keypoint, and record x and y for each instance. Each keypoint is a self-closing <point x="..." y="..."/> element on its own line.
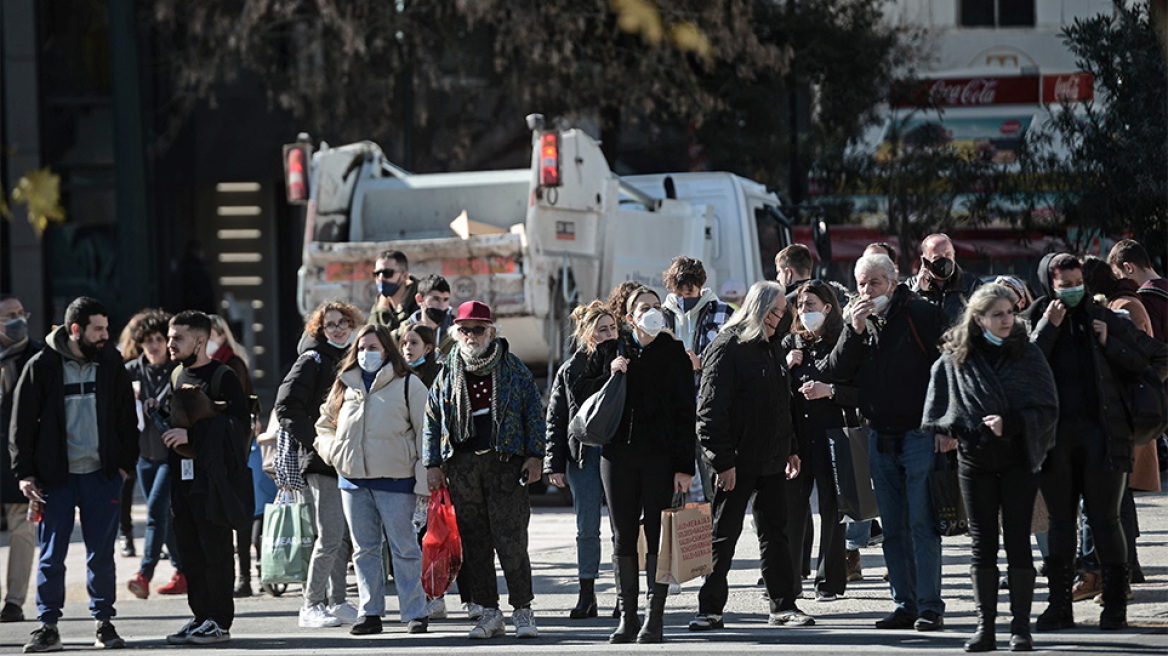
<point x="519" y="431"/>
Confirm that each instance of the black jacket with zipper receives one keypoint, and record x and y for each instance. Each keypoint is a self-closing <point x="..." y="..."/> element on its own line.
<point x="659" y="399"/>
<point x="562" y="406"/>
<point x="744" y="406"/>
<point x="304" y="389"/>
<point x="815" y="417"/>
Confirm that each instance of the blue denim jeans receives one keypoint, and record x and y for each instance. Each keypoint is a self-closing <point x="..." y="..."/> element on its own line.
<point x="587" y="494"/>
<point x="155" y="480"/>
<point x="374" y="515"/>
<point x="858" y="534"/>
<point x="99" y="499"/>
<point x="912" y="547"/>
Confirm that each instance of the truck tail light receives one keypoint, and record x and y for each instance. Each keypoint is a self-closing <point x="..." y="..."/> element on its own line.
<point x="296" y="158"/>
<point x="549" y="160"/>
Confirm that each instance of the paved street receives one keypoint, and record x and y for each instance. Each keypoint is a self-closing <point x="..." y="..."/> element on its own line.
<point x="267" y="624"/>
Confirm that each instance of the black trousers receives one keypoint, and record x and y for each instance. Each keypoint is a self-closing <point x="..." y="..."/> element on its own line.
<point x="770" y="516"/>
<point x="986" y="492"/>
<point x="1077" y="468"/>
<point x="125" y="521"/>
<point x="208" y="558"/>
<point x="636" y="486"/>
<point x="831" y="573"/>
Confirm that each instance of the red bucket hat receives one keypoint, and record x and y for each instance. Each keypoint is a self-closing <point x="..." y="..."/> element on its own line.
<point x="474" y="311"/>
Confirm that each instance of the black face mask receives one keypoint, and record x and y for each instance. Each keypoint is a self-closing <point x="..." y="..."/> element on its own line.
<point x="941" y="268"/>
<point x="191" y="359"/>
<point x="688" y="304"/>
<point x="436" y="315"/>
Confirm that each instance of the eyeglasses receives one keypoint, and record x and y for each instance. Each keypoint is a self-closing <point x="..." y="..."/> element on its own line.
<point x="477" y="331"/>
<point x="343" y="324"/>
<point x="388" y="273"/>
<point x="13" y="315"/>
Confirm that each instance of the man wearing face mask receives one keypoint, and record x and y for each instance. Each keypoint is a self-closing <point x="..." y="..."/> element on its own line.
<point x="1091" y="351"/>
<point x="74" y="438"/>
<point x="794" y="266"/>
<point x="396" y="290"/>
<point x="433" y="297"/>
<point x="887" y="349"/>
<point x="484" y="438"/>
<point x="212" y="494"/>
<point x="941" y="281"/>
<point x="16" y="347"/>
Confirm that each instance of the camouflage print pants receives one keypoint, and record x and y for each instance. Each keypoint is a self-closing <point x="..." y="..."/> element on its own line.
<point x="493" y="511"/>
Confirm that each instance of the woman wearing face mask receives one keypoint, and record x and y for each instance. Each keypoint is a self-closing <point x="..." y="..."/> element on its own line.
<point x="579" y="464"/>
<point x="327" y="334"/>
<point x="993" y="391"/>
<point x="223" y="347"/>
<point x="817" y="406"/>
<point x="370" y="430"/>
<point x="651" y="457"/>
<point x="420" y="350"/>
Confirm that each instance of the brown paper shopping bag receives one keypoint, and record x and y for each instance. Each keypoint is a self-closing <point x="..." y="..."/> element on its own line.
<point x="686" y="550"/>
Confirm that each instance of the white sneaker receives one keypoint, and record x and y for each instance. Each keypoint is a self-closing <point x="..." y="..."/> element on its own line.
<point x="345" y="612"/>
<point x="182" y="635"/>
<point x="317" y="617"/>
<point x="524" y="621"/>
<point x="210" y="633"/>
<point x="436" y="608"/>
<point x="473" y="611"/>
<point x="490" y="625"/>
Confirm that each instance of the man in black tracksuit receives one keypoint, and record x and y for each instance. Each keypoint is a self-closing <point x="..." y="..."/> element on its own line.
<point x="941" y="281"/>
<point x="1091" y="351"/>
<point x="212" y="494"/>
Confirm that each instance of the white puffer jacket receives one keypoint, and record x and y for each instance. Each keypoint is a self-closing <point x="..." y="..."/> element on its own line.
<point x="374" y="435"/>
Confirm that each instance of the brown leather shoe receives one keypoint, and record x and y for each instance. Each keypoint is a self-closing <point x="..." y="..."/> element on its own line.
<point x="854" y="571"/>
<point x="1087" y="586"/>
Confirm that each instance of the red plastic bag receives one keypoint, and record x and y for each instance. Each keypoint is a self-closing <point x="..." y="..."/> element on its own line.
<point x="442" y="546"/>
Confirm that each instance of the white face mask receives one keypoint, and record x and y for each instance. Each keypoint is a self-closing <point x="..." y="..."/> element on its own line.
<point x="880" y="302"/>
<point x="651" y="322"/>
<point x="212" y="346"/>
<point x="813" y="321"/>
<point x="370" y="361"/>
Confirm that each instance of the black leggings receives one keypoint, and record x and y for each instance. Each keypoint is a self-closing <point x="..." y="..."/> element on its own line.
<point x="831" y="576"/>
<point x="986" y="492"/>
<point x="635" y="486"/>
<point x="244" y="546"/>
<point x="1077" y="467"/>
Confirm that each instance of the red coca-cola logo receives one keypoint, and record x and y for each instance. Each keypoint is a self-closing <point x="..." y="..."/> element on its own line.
<point x="978" y="91"/>
<point x="1075" y="87"/>
<point x="1011" y="127"/>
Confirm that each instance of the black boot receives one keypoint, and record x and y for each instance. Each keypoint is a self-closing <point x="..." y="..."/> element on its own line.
<point x="1114" y="615"/>
<point x="985" y="596"/>
<point x="1021" y="596"/>
<point x="625" y="568"/>
<point x="654" y="627"/>
<point x="1058" y="614"/>
<point x="586" y="603"/>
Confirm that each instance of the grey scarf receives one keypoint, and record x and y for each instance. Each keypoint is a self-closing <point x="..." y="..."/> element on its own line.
<point x="959" y="396"/>
<point x="460" y="365"/>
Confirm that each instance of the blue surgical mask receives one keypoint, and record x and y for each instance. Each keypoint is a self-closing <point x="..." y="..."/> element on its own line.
<point x="370" y="361"/>
<point x="388" y="288"/>
<point x="419" y="362"/>
<point x="17" y="329"/>
<point x="1071" y="296"/>
<point x="992" y="338"/>
<point x="342" y="346"/>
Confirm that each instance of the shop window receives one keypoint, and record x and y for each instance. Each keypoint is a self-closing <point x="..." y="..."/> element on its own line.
<point x="997" y="13"/>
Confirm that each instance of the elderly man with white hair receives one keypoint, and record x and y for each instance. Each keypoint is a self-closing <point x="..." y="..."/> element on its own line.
<point x="484" y="438"/>
<point x="887" y="349"/>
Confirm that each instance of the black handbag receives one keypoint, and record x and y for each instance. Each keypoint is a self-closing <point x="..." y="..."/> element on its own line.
<point x="599" y="417"/>
<point x="849" y="464"/>
<point x="945" y="489"/>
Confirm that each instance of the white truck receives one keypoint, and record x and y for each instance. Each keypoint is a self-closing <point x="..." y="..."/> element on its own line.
<point x="531" y="242"/>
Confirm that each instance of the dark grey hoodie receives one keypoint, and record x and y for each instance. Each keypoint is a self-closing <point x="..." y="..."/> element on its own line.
<point x="81" y="438"/>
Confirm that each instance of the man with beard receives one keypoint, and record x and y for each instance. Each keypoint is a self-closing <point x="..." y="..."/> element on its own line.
<point x="73" y="440"/>
<point x="396" y="290"/>
<point x="940" y="281"/>
<point x="433" y="299"/>
<point x="211" y="495"/>
<point x="484" y="426"/>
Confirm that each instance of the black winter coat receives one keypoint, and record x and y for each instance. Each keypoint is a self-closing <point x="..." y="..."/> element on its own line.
<point x="562" y="406"/>
<point x="301" y="394"/>
<point x="37" y="432"/>
<point x="9" y="488"/>
<point x="744" y="406"/>
<point x="953" y="296"/>
<point x="1129" y="352"/>
<point x="887" y="362"/>
<point x="659" y="400"/>
<point x="814" y="418"/>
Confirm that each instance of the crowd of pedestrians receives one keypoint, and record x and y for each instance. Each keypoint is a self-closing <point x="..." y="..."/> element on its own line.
<point x="1027" y="393"/>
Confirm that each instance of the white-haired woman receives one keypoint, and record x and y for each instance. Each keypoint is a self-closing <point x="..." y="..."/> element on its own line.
<point x="744" y="425"/>
<point x="994" y="391"/>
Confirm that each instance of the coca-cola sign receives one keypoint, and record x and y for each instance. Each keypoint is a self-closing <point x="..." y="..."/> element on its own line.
<point x="977" y="91"/>
<point x="1073" y="87"/>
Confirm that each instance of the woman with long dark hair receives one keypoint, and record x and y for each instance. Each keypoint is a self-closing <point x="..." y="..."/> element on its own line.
<point x="651" y="457"/>
<point x="994" y="392"/>
<point x="370" y="430"/>
<point x="567" y="460"/>
<point x="818" y="405"/>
